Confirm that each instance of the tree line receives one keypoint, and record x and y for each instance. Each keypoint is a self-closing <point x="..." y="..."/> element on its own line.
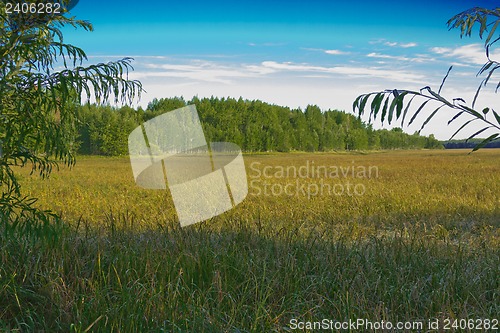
<point x="254" y="125"/>
<point x="469" y="144"/>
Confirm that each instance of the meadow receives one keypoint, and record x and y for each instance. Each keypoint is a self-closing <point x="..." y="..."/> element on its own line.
<point x="417" y="239"/>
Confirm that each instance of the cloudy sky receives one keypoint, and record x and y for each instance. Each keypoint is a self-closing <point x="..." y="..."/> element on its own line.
<point x="291" y="53"/>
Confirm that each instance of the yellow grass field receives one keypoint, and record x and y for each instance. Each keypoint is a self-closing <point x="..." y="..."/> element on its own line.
<point x="450" y="188"/>
<point x="399" y="236"/>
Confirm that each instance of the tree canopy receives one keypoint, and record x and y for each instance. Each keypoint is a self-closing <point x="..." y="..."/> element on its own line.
<point x="37" y="100"/>
<point x="254" y="125"/>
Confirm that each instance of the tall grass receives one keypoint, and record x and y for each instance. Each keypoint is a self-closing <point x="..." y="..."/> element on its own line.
<point x="423" y="242"/>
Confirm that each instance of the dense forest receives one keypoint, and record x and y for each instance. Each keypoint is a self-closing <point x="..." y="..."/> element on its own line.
<point x="255" y="126"/>
<point x="468" y="144"/>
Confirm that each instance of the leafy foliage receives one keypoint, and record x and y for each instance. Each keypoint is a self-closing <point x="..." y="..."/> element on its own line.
<point x="37" y="102"/>
<point x="390" y="104"/>
<point x="255" y="126"/>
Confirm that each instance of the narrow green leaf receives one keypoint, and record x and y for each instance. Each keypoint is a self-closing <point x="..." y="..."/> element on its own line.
<point x="482" y="27"/>
<point x="492" y="31"/>
<point x="497" y="116"/>
<point x="485" y="142"/>
<point x="440" y="98"/>
<point x="472" y="111"/>
<point x="355" y="104"/>
<point x="455" y="117"/>
<point x="363" y="103"/>
<point x="418" y="111"/>
<point x="490" y="73"/>
<point x="476" y="95"/>
<point x="376" y="101"/>
<point x="477" y="133"/>
<point x="399" y="105"/>
<point x="384" y="109"/>
<point x="462" y="127"/>
<point x="406" y="109"/>
<point x="485" y="67"/>
<point x="391" y="109"/>
<point x="444" y="79"/>
<point x="430" y="117"/>
<point x="375" y="106"/>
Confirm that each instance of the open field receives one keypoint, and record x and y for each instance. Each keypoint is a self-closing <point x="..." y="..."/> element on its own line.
<point x="393" y="236"/>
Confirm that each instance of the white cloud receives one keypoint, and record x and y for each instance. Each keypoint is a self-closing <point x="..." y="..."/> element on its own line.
<point x="394" y="44"/>
<point x="406" y="45"/>
<point x="471" y="53"/>
<point x="418" y="58"/>
<point x="349" y="71"/>
<point x="198" y="70"/>
<point x="386" y="56"/>
<point x="336" y="52"/>
<point x="332" y="52"/>
<point x="229" y="73"/>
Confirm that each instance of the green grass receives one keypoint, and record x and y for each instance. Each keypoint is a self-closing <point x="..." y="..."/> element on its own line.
<point x="422" y="242"/>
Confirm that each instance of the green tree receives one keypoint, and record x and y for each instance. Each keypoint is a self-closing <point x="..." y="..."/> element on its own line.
<point x="390" y="104"/>
<point x="315" y="121"/>
<point x="37" y="102"/>
<point x="373" y="138"/>
<point x="357" y="139"/>
<point x="253" y="125"/>
<point x="104" y="130"/>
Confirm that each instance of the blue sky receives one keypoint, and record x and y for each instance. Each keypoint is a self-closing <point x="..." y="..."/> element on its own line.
<point x="290" y="53"/>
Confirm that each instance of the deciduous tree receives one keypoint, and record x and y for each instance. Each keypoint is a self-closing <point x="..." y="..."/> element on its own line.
<point x="38" y="99"/>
